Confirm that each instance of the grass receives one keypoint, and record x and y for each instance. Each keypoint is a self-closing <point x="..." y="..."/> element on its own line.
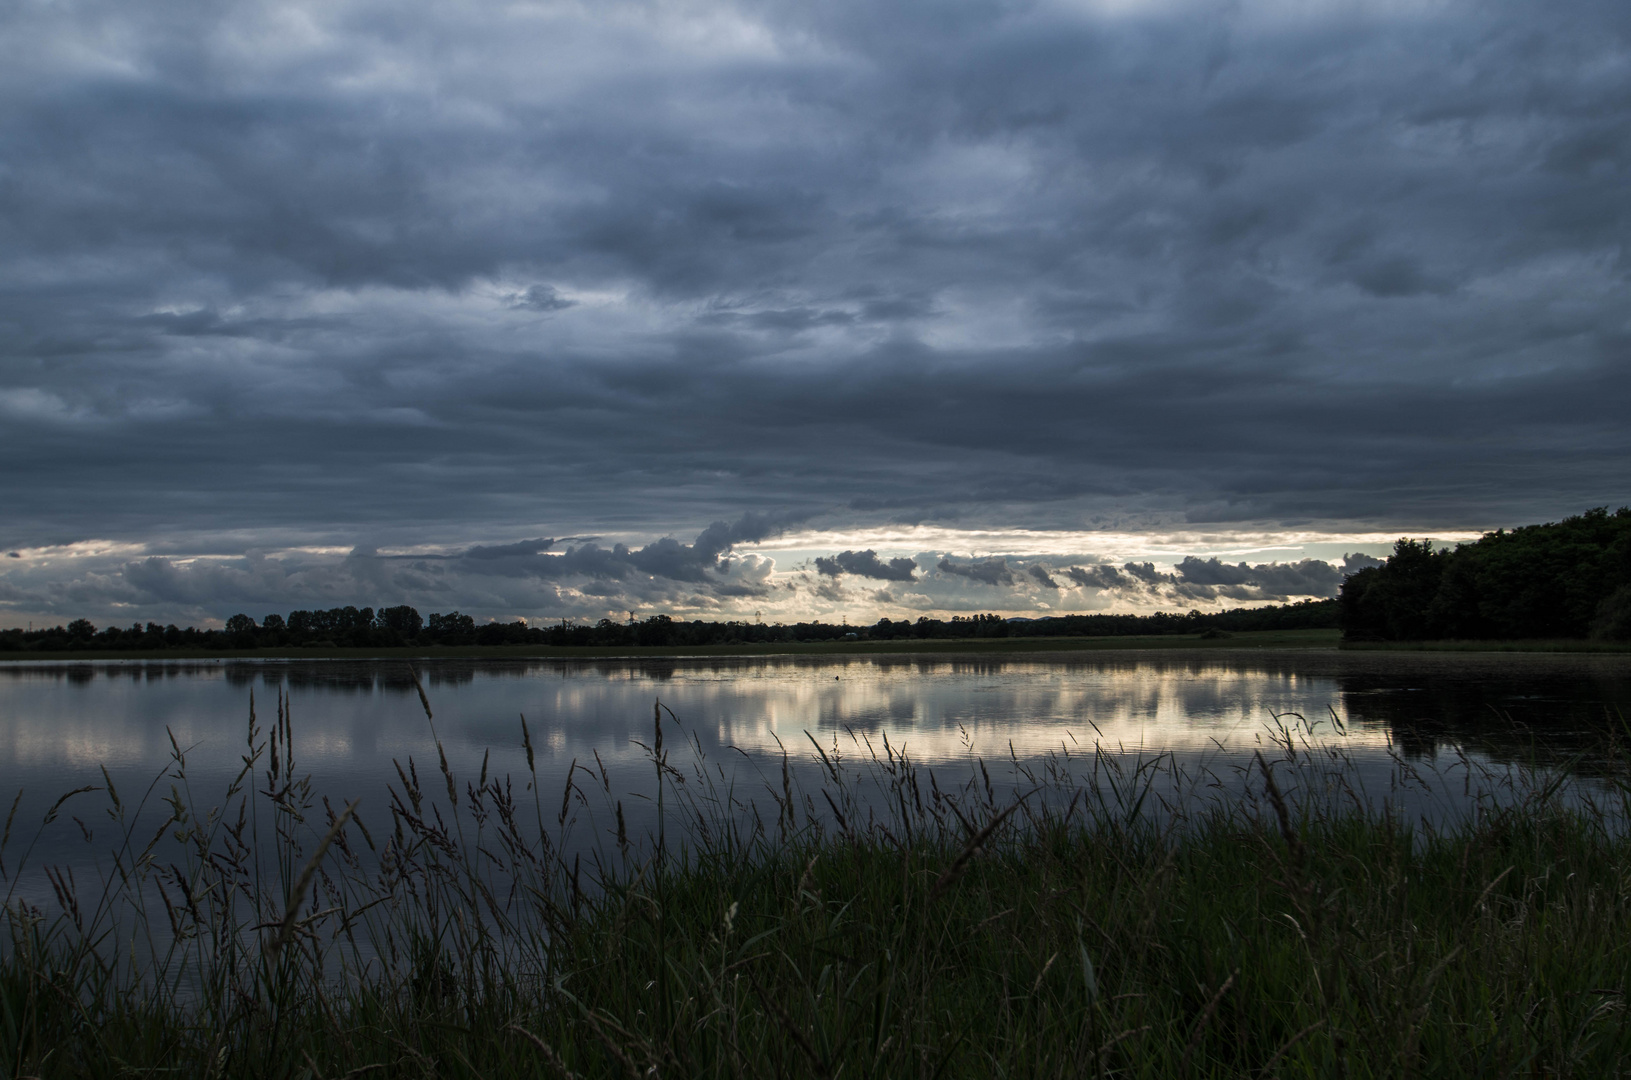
<point x="1530" y="645"/>
<point x="1255" y="639"/>
<point x="1084" y="915"/>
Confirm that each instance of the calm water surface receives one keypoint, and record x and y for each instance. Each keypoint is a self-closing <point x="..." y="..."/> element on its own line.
<point x="61" y="724"/>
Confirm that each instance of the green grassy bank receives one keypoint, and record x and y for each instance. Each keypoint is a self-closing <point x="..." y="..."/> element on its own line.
<point x="1081" y="920"/>
<point x="1530" y="645"/>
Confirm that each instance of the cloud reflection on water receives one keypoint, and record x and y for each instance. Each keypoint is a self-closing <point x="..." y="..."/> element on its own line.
<point x="61" y="723"/>
<point x="352" y="717"/>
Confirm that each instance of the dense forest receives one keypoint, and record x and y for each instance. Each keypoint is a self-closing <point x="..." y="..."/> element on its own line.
<point x="1566" y="579"/>
<point x="354" y="628"/>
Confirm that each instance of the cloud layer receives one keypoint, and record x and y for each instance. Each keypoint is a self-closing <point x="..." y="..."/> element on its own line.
<point x="716" y="576"/>
<point x="867" y="564"/>
<point x="359" y="276"/>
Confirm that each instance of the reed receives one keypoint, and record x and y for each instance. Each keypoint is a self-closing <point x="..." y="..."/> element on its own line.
<point x="1089" y="914"/>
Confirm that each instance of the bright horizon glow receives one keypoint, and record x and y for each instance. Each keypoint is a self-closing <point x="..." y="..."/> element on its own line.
<point x="776" y="578"/>
<point x="1032" y="542"/>
<point x="911" y="540"/>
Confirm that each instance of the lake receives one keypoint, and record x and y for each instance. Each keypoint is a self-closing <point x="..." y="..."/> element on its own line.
<point x="61" y="724"/>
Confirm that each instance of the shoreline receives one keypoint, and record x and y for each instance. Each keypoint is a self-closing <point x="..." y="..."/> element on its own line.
<point x="1254" y="640"/>
<point x="1258" y="639"/>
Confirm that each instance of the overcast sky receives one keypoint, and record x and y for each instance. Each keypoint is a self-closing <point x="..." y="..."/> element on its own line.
<point x="815" y="308"/>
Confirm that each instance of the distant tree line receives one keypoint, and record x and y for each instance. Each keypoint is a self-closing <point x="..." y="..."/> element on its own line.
<point x="1567" y="579"/>
<point x="366" y="628"/>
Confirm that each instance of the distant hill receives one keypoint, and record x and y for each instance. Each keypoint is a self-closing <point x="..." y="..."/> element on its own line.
<point x="1566" y="579"/>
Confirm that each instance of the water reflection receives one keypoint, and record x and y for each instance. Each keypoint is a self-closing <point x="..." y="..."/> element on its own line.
<point x="115" y="714"/>
<point x="58" y="722"/>
<point x="61" y="724"/>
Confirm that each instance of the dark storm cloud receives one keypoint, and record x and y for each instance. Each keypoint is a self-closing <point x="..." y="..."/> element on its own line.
<point x="1212" y="579"/>
<point x="1146" y="573"/>
<point x="867" y="564"/>
<point x="1355" y="562"/>
<point x="1099" y="577"/>
<point x="519" y="549"/>
<point x="1040" y="575"/>
<point x="695" y="563"/>
<point x="541" y="298"/>
<point x="992" y="571"/>
<point x="1310" y="577"/>
<point x="442" y="275"/>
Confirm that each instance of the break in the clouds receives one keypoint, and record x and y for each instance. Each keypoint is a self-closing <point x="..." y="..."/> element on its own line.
<point x="718" y="573"/>
<point x="284" y="286"/>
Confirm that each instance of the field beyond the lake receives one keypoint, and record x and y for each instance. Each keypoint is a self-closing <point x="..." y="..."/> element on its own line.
<point x="1089" y="913"/>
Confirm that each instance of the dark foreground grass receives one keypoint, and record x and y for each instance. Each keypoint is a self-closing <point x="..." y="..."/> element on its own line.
<point x="1083" y="928"/>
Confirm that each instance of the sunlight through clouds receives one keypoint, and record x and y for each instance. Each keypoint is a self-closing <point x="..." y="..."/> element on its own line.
<point x="364" y="287"/>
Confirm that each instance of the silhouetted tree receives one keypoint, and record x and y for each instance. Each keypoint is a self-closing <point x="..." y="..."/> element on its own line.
<point x="240" y="632"/>
<point x="403" y="619"/>
<point x="1557" y="580"/>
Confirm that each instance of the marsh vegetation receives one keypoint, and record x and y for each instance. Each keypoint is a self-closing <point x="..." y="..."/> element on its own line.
<point x="1091" y="913"/>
